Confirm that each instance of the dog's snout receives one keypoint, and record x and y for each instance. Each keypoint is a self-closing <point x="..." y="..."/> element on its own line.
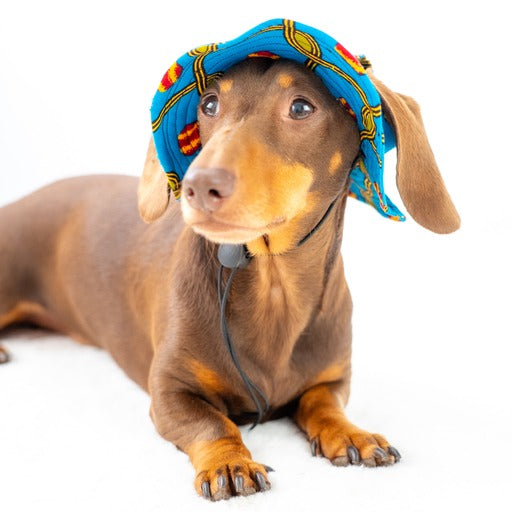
<point x="207" y="188"/>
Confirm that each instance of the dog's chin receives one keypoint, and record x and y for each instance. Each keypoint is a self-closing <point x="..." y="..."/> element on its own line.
<point x="222" y="229"/>
<point x="225" y="234"/>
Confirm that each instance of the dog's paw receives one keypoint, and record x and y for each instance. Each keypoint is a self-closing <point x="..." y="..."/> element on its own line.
<point x="344" y="445"/>
<point x="227" y="473"/>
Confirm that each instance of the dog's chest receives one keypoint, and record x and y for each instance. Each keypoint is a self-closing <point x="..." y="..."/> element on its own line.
<point x="266" y="333"/>
<point x="290" y="329"/>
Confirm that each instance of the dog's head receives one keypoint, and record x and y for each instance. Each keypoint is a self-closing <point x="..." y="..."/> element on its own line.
<point x="277" y="149"/>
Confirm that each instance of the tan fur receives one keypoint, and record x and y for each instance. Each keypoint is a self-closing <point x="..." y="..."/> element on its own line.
<point x="30" y="312"/>
<point x="335" y="162"/>
<point x="332" y="373"/>
<point x="276" y="190"/>
<point x="153" y="190"/>
<point x="209" y="380"/>
<point x="226" y="458"/>
<point x="320" y="415"/>
<point x="285" y="80"/>
<point x="418" y="178"/>
<point x="226" y="85"/>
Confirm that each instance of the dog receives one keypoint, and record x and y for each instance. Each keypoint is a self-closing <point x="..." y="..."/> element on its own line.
<point x="272" y="176"/>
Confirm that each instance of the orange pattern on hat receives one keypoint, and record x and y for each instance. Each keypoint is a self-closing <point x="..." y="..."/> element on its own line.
<point x="263" y="53"/>
<point x="189" y="140"/>
<point x="173" y="73"/>
<point x="353" y="61"/>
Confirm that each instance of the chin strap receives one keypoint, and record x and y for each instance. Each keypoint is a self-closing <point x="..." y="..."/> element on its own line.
<point x="236" y="257"/>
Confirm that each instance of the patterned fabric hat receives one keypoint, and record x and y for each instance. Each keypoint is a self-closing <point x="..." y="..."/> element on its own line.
<point x="174" y="107"/>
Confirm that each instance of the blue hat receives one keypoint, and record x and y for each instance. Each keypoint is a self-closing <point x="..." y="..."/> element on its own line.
<point x="174" y="107"/>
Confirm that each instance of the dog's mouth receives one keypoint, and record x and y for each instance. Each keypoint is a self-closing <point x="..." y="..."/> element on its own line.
<point x="223" y="232"/>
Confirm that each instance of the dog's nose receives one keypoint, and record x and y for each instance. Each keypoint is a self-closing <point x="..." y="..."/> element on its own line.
<point x="207" y="189"/>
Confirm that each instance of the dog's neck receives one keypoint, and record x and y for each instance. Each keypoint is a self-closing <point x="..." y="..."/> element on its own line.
<point x="275" y="296"/>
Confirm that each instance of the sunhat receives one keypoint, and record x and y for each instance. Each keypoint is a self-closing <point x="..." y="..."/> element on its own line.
<point x="174" y="107"/>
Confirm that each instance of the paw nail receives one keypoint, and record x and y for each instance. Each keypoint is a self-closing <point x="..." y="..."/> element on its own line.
<point x="268" y="469"/>
<point x="239" y="483"/>
<point x="262" y="484"/>
<point x="395" y="453"/>
<point x="380" y="453"/>
<point x="353" y="455"/>
<point x="314" y="446"/>
<point x="205" y="488"/>
<point x="221" y="481"/>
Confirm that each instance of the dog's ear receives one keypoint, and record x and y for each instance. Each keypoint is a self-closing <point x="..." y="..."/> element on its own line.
<point x="419" y="181"/>
<point x="153" y="192"/>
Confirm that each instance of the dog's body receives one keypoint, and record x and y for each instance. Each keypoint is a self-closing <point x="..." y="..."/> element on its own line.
<point x="115" y="269"/>
<point x="77" y="258"/>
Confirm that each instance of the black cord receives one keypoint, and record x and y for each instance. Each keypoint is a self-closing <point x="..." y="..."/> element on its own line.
<point x="319" y="224"/>
<point x="252" y="388"/>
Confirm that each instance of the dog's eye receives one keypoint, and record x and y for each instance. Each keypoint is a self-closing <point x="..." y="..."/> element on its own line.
<point x="210" y="105"/>
<point x="300" y="109"/>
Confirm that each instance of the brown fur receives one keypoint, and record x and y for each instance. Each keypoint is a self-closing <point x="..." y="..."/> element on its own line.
<point x="76" y="256"/>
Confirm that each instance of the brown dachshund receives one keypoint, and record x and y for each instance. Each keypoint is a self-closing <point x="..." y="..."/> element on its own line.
<point x="76" y="257"/>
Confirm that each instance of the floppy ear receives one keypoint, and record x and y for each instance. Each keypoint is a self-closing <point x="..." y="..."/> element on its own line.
<point x="419" y="181"/>
<point x="153" y="192"/>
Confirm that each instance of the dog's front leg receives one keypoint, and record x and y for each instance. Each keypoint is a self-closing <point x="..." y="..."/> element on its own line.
<point x="224" y="466"/>
<point x="322" y="418"/>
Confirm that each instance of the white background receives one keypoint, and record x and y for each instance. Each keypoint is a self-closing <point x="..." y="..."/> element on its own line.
<point x="432" y="313"/>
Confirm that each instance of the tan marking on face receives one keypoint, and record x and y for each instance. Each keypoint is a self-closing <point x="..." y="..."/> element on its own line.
<point x="284" y="238"/>
<point x="285" y="80"/>
<point x="209" y="380"/>
<point x="226" y="85"/>
<point x="286" y="196"/>
<point x="270" y="196"/>
<point x="335" y="162"/>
